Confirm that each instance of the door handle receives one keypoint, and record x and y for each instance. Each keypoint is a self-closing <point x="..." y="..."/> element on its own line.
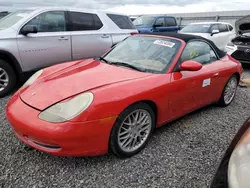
<point x="63" y="38"/>
<point x="105" y="36"/>
<point x="216" y="75"/>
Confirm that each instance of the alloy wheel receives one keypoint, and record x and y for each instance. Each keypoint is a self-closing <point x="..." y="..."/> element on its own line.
<point x="230" y="90"/>
<point x="135" y="130"/>
<point x="4" y="79"/>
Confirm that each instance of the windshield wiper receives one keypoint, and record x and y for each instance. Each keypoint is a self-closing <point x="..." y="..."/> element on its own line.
<point x="127" y="65"/>
<point x="103" y="59"/>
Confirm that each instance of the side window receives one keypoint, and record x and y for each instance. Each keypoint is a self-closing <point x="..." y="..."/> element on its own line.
<point x="223" y="28"/>
<point x="123" y="22"/>
<point x="199" y="51"/>
<point x="160" y="21"/>
<point x="214" y="27"/>
<point x="53" y="21"/>
<point x="98" y="22"/>
<point x="230" y="28"/>
<point x="170" y="22"/>
<point x="85" y="21"/>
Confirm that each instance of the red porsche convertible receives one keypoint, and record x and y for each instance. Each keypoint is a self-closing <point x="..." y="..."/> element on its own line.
<point x="114" y="103"/>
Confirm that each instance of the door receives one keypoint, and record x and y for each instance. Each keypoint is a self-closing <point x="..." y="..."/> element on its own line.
<point x="90" y="37"/>
<point x="192" y="90"/>
<point x="221" y="38"/>
<point x="50" y="45"/>
<point x="159" y="25"/>
<point x="216" y="38"/>
<point x="171" y="24"/>
<point x="231" y="33"/>
<point x="225" y="35"/>
<point x="165" y="24"/>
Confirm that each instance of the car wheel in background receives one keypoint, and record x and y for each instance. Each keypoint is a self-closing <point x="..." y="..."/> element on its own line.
<point x="7" y="78"/>
<point x="229" y="91"/>
<point x="132" y="130"/>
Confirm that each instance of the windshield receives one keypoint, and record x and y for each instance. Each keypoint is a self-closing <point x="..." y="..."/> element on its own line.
<point x="150" y="54"/>
<point x="196" y="28"/>
<point x="13" y="18"/>
<point x="144" y="21"/>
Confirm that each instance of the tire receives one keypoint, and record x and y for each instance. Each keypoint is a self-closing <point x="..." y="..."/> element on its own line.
<point x="223" y="102"/>
<point x="7" y="78"/>
<point x="139" y="133"/>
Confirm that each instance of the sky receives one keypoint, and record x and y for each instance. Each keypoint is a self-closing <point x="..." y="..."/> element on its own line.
<point x="135" y="7"/>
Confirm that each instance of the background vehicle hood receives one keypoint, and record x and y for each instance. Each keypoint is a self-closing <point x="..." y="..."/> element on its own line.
<point x="144" y="29"/>
<point x="243" y="25"/>
<point x="80" y="77"/>
<point x="7" y="33"/>
<point x="205" y="35"/>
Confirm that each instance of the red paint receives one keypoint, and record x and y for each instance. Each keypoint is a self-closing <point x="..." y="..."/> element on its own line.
<point x="115" y="88"/>
<point x="79" y="77"/>
<point x="75" y="138"/>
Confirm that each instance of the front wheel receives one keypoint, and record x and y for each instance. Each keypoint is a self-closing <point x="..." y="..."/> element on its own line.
<point x="7" y="78"/>
<point x="132" y="130"/>
<point x="229" y="91"/>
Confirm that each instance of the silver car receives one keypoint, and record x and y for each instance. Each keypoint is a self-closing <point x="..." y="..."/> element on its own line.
<point x="36" y="38"/>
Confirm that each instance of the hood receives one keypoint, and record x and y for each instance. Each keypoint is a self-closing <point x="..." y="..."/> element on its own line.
<point x="243" y="25"/>
<point x="80" y="77"/>
<point x="7" y="33"/>
<point x="205" y="35"/>
<point x="144" y="28"/>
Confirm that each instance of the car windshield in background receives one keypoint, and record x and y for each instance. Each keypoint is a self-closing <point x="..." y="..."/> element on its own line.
<point x="149" y="54"/>
<point x="196" y="28"/>
<point x="144" y="21"/>
<point x="13" y="18"/>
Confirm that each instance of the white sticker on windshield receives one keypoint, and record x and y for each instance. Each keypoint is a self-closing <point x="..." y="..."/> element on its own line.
<point x="164" y="43"/>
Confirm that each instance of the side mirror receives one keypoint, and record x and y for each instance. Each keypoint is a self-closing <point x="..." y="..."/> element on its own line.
<point x="215" y="31"/>
<point x="190" y="66"/>
<point x="28" y="29"/>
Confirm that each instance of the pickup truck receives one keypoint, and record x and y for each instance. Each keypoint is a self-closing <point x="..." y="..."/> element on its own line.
<point x="151" y="24"/>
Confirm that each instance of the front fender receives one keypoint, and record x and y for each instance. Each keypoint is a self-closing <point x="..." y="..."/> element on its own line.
<point x="112" y="99"/>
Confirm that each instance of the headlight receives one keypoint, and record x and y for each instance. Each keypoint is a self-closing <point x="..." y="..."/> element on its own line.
<point x="32" y="79"/>
<point x="68" y="109"/>
<point x="239" y="164"/>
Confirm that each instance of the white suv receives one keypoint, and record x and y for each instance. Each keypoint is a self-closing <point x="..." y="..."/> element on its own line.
<point x="36" y="38"/>
<point x="218" y="32"/>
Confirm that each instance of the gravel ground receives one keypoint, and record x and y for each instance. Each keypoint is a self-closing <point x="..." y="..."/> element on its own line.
<point x="184" y="153"/>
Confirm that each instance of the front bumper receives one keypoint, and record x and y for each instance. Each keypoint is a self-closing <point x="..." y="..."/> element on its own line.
<point x="62" y="139"/>
<point x="230" y="49"/>
<point x="240" y="53"/>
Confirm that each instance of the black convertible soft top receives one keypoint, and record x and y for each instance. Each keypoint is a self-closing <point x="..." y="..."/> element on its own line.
<point x="188" y="38"/>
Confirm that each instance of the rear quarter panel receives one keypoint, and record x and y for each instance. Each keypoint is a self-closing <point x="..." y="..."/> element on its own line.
<point x="226" y="68"/>
<point x="118" y="37"/>
<point x="116" y="33"/>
